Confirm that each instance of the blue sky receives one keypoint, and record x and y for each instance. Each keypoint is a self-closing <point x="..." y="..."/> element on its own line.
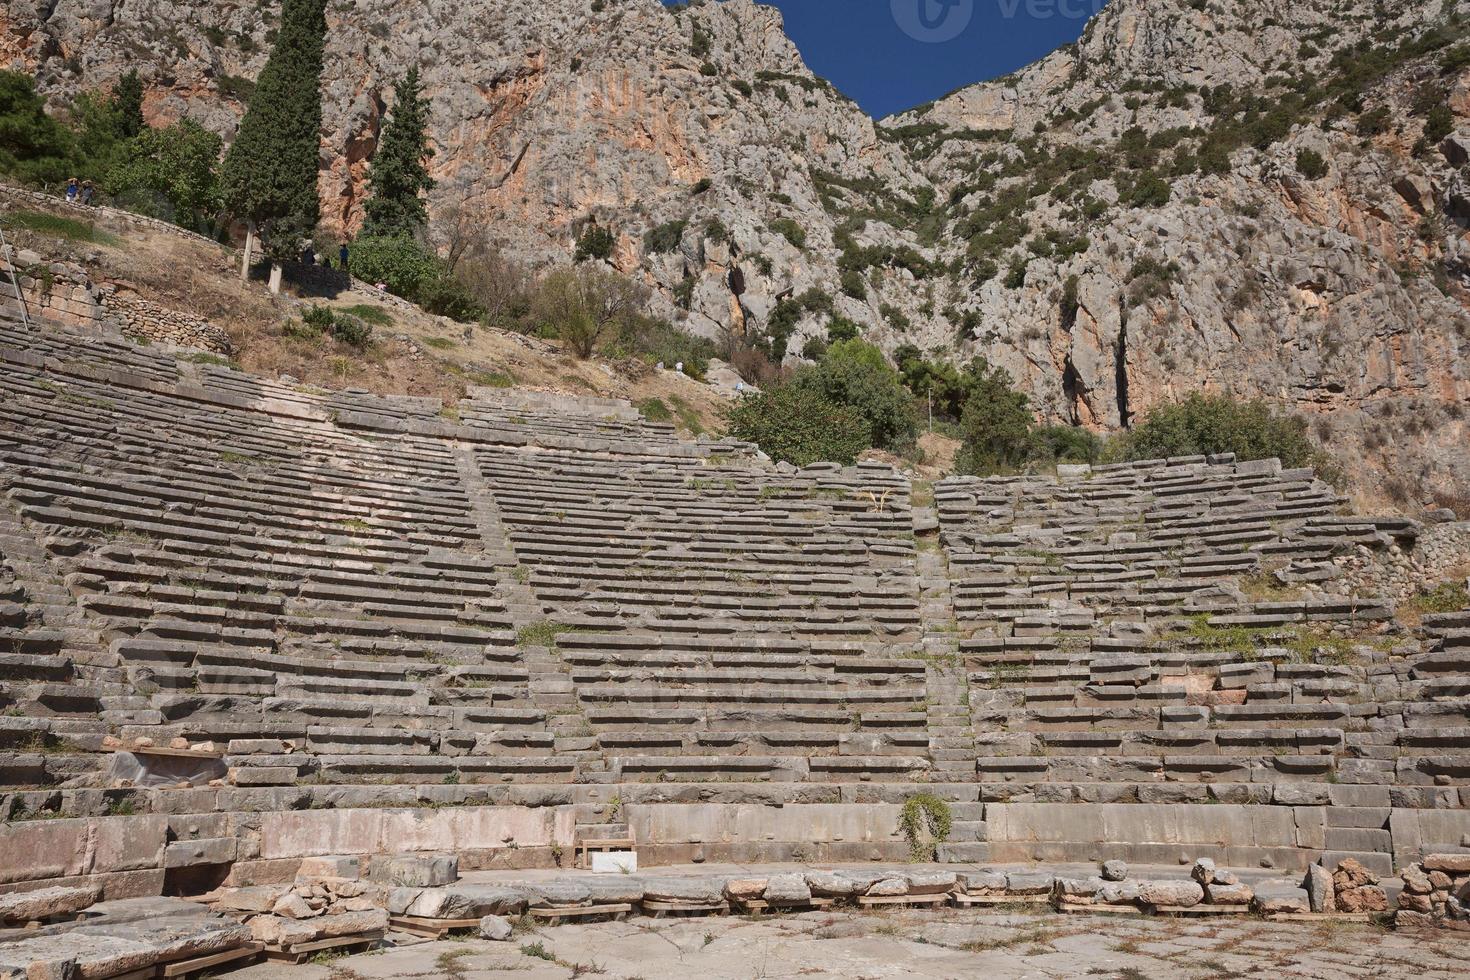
<point x="862" y="46"/>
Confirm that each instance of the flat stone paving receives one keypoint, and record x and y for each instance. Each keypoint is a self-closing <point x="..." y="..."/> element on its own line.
<point x="940" y="944"/>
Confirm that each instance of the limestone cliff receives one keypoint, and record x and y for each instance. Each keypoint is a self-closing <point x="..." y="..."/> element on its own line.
<point x="1020" y="218"/>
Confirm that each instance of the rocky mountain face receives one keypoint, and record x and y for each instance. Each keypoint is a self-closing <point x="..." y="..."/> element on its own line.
<point x="1109" y="224"/>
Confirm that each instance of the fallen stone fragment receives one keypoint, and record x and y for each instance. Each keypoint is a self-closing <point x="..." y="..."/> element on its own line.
<point x="1029" y="882"/>
<point x="690" y="891"/>
<point x="1279" y="897"/>
<point x="1176" y="893"/>
<point x="830" y="884"/>
<point x="1453" y="863"/>
<point x="494" y="928"/>
<point x="1321" y="892"/>
<point x="417" y="870"/>
<point x="889" y="887"/>
<point x="1203" y="871"/>
<point x="44" y="903"/>
<point x="982" y="882"/>
<point x="1219" y="893"/>
<point x="745" y="889"/>
<point x="467" y="902"/>
<point x="1351" y="874"/>
<point x="788" y="888"/>
<point x="1114" y="870"/>
<point x="1366" y="898"/>
<point x="932" y="882"/>
<point x="1119" y="893"/>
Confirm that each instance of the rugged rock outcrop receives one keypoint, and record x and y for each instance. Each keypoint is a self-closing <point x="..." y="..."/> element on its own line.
<point x="1109" y="224"/>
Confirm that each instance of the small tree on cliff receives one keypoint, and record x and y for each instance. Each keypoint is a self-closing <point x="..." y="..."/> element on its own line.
<point x="399" y="176"/>
<point x="127" y="102"/>
<point x="270" y="175"/>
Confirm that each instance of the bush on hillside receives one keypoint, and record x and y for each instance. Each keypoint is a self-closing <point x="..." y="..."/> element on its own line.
<point x="595" y="243"/>
<point x="1218" y="424"/>
<point x="795" y="424"/>
<point x="855" y="375"/>
<point x="402" y="264"/>
<point x="654" y="340"/>
<point x="995" y="426"/>
<point x="1309" y="164"/>
<point x="585" y="306"/>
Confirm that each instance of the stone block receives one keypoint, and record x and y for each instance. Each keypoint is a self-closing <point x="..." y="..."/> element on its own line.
<point x="465" y="901"/>
<point x="44" y="903"/>
<point x="415" y="870"/>
<point x="328" y="866"/>
<point x="189" y="853"/>
<point x="1114" y="870"/>
<point x="1281" y="896"/>
<point x="830" y="884"/>
<point x="1321" y="892"/>
<point x="788" y="888"/>
<point x="1178" y="893"/>
<point x="1456" y="864"/>
<point x="495" y="928"/>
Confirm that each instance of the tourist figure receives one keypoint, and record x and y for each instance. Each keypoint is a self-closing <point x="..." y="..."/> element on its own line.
<point x="73" y="188"/>
<point x="88" y="191"/>
<point x="342" y="254"/>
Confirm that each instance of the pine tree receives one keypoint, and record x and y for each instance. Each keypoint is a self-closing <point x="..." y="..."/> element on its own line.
<point x="270" y="174"/>
<point x="127" y="102"/>
<point x="399" y="174"/>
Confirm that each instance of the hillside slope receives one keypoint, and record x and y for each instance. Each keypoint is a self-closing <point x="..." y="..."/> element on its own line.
<point x="1109" y="224"/>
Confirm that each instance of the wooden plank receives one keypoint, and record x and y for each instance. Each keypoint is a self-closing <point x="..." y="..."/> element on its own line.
<point x="760" y="904"/>
<point x="582" y="911"/>
<point x="1321" y="916"/>
<point x="963" y="899"/>
<point x="173" y="753"/>
<point x="433" y="928"/>
<point x="938" y="899"/>
<point x="660" y="909"/>
<point x="1099" y="909"/>
<point x="1201" y="909"/>
<point x="180" y="968"/>
<point x="301" y="952"/>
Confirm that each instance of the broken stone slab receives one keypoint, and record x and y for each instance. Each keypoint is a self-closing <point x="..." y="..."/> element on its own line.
<point x="690" y="891"/>
<point x="1183" y="894"/>
<point x="557" y="894"/>
<point x="889" y="887"/>
<point x="399" y="899"/>
<point x="982" y="882"/>
<point x="1079" y="889"/>
<point x="1203" y="871"/>
<point x="745" y="889"/>
<point x="830" y="884"/>
<point x="45" y="903"/>
<point x="1458" y="864"/>
<point x="788" y="888"/>
<point x="1029" y="882"/>
<point x="1119" y="893"/>
<point x="1281" y="896"/>
<point x="286" y="932"/>
<point x="934" y="882"/>
<point x="1220" y="893"/>
<point x="330" y="866"/>
<point x="293" y="906"/>
<point x="620" y="890"/>
<point x="1321" y="893"/>
<point x="416" y="870"/>
<point x="494" y="928"/>
<point x="467" y="902"/>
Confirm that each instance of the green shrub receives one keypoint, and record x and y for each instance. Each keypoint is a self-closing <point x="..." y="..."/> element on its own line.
<point x="855" y="375"/>
<point x="369" y="313"/>
<point x="796" y="424"/>
<point x="55" y="226"/>
<point x="595" y="243"/>
<point x="1218" y="424"/>
<point x="789" y="230"/>
<point x="1438" y="124"/>
<point x="317" y="320"/>
<point x="853" y="284"/>
<point x="654" y="340"/>
<point x="995" y="425"/>
<point x="1309" y="164"/>
<point x="655" y="410"/>
<point x="402" y="264"/>
<point x="664" y="238"/>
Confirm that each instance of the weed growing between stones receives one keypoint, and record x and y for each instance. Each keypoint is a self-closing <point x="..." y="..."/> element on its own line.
<point x="925" y="823"/>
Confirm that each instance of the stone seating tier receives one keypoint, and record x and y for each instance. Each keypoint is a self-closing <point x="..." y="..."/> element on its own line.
<point x="363" y="601"/>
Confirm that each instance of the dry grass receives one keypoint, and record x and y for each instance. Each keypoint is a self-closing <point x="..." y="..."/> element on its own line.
<point x="439" y="359"/>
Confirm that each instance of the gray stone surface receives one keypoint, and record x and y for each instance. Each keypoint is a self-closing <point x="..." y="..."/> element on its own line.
<point x="1114" y="870"/>
<point x="495" y="928"/>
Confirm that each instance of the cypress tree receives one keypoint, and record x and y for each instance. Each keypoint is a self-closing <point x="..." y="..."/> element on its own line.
<point x="399" y="174"/>
<point x="270" y="173"/>
<point x="127" y="102"/>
